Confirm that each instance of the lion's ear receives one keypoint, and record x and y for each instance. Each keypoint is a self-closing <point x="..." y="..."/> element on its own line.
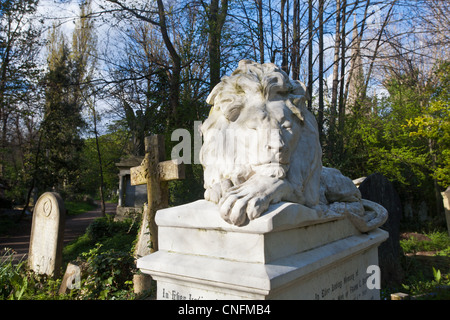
<point x="300" y="89"/>
<point x="294" y="106"/>
<point x="214" y="92"/>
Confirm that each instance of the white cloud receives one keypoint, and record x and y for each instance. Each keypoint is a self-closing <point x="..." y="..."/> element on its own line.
<point x="63" y="13"/>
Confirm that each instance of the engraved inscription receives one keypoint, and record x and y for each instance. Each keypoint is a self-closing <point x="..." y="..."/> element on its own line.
<point x="176" y="295"/>
<point x="351" y="286"/>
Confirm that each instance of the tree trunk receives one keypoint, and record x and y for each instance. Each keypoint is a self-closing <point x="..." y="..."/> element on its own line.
<point x="295" y="58"/>
<point x="174" y="95"/>
<point x="284" y="62"/>
<point x="102" y="196"/>
<point x="310" y="53"/>
<point x="334" y="90"/>
<point x="260" y="31"/>
<point x="341" y="111"/>
<point x="216" y="20"/>
<point x="321" y="104"/>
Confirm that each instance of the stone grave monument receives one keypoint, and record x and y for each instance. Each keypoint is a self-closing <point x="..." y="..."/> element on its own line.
<point x="446" y="199"/>
<point x="153" y="172"/>
<point x="379" y="189"/>
<point x="274" y="223"/>
<point x="131" y="197"/>
<point x="47" y="235"/>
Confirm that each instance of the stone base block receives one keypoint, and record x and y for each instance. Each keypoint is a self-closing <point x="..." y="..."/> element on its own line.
<point x="289" y="253"/>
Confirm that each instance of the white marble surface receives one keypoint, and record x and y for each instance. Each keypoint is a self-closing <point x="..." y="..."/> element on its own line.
<point x="300" y="276"/>
<point x="285" y="229"/>
<point x="205" y="214"/>
<point x="47" y="235"/>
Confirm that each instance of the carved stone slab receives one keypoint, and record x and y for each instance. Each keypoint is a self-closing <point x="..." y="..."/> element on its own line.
<point x="47" y="235"/>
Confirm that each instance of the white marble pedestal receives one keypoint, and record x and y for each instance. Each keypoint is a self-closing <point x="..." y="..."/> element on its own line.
<point x="288" y="253"/>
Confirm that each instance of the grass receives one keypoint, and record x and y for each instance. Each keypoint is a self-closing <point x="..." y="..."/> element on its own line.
<point x="119" y="236"/>
<point x="426" y="262"/>
<point x="106" y="245"/>
<point x="74" y="207"/>
<point x="426" y="266"/>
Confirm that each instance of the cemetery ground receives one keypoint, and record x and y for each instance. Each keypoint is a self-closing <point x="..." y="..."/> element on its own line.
<point x="104" y="250"/>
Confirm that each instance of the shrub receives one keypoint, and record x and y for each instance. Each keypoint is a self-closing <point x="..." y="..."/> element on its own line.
<point x="109" y="274"/>
<point x="19" y="283"/>
<point x="12" y="284"/>
<point x="105" y="227"/>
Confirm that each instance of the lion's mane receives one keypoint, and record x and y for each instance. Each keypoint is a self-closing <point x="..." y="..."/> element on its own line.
<point x="230" y="99"/>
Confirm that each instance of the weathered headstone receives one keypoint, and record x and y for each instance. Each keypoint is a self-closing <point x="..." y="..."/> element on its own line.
<point x="153" y="172"/>
<point x="47" y="235"/>
<point x="379" y="189"/>
<point x="446" y="199"/>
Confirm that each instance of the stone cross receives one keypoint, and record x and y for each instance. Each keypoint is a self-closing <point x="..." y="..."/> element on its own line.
<point x="47" y="235"/>
<point x="155" y="172"/>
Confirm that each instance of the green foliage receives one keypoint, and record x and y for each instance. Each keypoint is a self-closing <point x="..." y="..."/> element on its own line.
<point x="109" y="274"/>
<point x="11" y="284"/>
<point x="113" y="146"/>
<point x="107" y="249"/>
<point x="438" y="241"/>
<point x="74" y="207"/>
<point x="61" y="128"/>
<point x="426" y="275"/>
<point x="105" y="227"/>
<point x="118" y="235"/>
<point x="110" y="267"/>
<point x="433" y="126"/>
<point x="18" y="283"/>
<point x="404" y="136"/>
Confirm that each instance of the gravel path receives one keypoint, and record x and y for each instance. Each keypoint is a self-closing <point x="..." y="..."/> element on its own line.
<point x="75" y="226"/>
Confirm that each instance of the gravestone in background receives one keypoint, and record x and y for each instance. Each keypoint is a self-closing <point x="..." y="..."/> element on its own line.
<point x="379" y="189"/>
<point x="131" y="197"/>
<point x="47" y="235"/>
<point x="446" y="199"/>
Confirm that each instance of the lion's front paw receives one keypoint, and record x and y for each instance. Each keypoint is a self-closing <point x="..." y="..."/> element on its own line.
<point x="215" y="192"/>
<point x="251" y="199"/>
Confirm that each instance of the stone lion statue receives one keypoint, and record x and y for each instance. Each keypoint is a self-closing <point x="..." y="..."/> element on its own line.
<point x="261" y="146"/>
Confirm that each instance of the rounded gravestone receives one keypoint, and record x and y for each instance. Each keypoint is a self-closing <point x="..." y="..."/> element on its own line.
<point x="47" y="235"/>
<point x="379" y="189"/>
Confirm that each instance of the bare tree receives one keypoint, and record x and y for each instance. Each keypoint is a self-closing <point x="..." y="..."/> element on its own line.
<point x="174" y="70"/>
<point x="321" y="54"/>
<point x="216" y="17"/>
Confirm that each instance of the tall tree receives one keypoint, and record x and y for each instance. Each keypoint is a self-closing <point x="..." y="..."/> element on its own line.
<point x="19" y="73"/>
<point x="174" y="70"/>
<point x="259" y="5"/>
<point x="321" y="73"/>
<point x="216" y="13"/>
<point x="84" y="61"/>
<point x="341" y="109"/>
<point x="62" y="123"/>
<point x="296" y="41"/>
<point x="334" y="88"/>
<point x="310" y="52"/>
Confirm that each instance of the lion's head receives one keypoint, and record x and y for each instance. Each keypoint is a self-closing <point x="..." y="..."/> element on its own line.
<point x="257" y="126"/>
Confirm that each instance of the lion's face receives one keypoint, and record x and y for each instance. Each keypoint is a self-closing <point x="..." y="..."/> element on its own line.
<point x="266" y="131"/>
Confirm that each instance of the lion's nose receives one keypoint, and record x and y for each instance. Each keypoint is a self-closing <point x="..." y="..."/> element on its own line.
<point x="275" y="142"/>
